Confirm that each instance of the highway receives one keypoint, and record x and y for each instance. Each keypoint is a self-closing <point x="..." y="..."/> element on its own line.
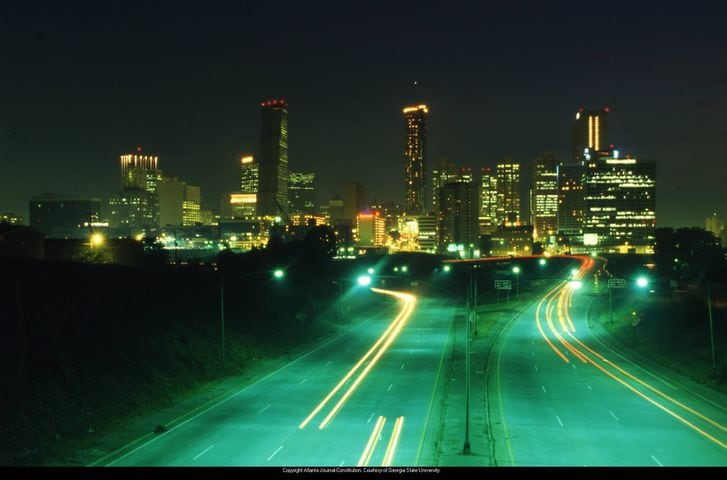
<point x="560" y="396"/>
<point x="363" y="398"/>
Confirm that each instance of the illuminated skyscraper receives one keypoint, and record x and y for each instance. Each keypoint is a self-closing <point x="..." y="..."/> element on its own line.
<point x="246" y="200"/>
<point x="508" y="193"/>
<point x="371" y="227"/>
<point x="458" y="208"/>
<point x="301" y="193"/>
<point x="273" y="158"/>
<point x="191" y="206"/>
<point x="571" y="201"/>
<point x="488" y="202"/>
<point x="139" y="171"/>
<point x="590" y="130"/>
<point x="544" y="197"/>
<point x="620" y="201"/>
<point x="444" y="171"/>
<point x="415" y="159"/>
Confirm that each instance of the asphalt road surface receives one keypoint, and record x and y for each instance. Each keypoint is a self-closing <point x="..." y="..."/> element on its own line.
<point x="363" y="398"/>
<point x="560" y="396"/>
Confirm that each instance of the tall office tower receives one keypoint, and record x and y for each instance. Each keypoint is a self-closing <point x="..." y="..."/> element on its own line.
<point x="139" y="171"/>
<point x="273" y="158"/>
<point x="488" y="202"/>
<point x="544" y="197"/>
<point x="63" y="216"/>
<point x="246" y="200"/>
<point x="590" y="130"/>
<point x="620" y="200"/>
<point x="191" y="206"/>
<point x="571" y="201"/>
<point x="458" y="209"/>
<point x="134" y="209"/>
<point x="301" y="193"/>
<point x="354" y="200"/>
<point x="415" y="159"/>
<point x="508" y="193"/>
<point x="171" y="199"/>
<point x="444" y="171"/>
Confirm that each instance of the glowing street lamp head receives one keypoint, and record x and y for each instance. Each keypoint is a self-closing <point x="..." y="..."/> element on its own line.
<point x="404" y="268"/>
<point x="642" y="282"/>
<point x="278" y="273"/>
<point x="542" y="261"/>
<point x="515" y="269"/>
<point x="447" y="268"/>
<point x="574" y="272"/>
<point x="97" y="239"/>
<point x="396" y="269"/>
<point x="364" y="280"/>
<point x="575" y="284"/>
<point x="371" y="271"/>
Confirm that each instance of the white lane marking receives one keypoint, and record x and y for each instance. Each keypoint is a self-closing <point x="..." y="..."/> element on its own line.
<point x="274" y="453"/>
<point x="402" y="367"/>
<point x="268" y="406"/>
<point x="535" y="367"/>
<point x="589" y="387"/>
<point x="573" y="365"/>
<point x="532" y="354"/>
<point x="342" y="462"/>
<point x="390" y="385"/>
<point x="559" y="420"/>
<point x="329" y="362"/>
<point x="614" y="415"/>
<point x="369" y="420"/>
<point x="203" y="452"/>
<point x="302" y="381"/>
<point x="543" y="387"/>
<point x="657" y="461"/>
<point x="566" y="353"/>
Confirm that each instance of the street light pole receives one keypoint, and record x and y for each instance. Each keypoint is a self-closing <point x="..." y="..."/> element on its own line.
<point x="610" y="302"/>
<point x="466" y="449"/>
<point x="222" y="313"/>
<point x="711" y="330"/>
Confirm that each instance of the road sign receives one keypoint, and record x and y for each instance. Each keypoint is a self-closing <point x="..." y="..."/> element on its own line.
<point x="503" y="285"/>
<point x="616" y="283"/>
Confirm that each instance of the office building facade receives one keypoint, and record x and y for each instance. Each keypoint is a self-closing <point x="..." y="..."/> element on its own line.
<point x="508" y="193"/>
<point x="273" y="158"/>
<point x="415" y="160"/>
<point x="544" y="198"/>
<point x="64" y="216"/>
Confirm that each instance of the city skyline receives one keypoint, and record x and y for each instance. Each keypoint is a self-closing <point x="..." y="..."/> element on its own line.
<point x="72" y="127"/>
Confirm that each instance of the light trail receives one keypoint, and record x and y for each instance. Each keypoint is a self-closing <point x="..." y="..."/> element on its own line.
<point x="409" y="303"/>
<point x="378" y="349"/>
<point x="408" y="299"/>
<point x="393" y="442"/>
<point x="371" y="444"/>
<point x="589" y="355"/>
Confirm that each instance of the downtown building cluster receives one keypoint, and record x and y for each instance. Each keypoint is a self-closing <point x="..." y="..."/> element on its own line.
<point x="599" y="200"/>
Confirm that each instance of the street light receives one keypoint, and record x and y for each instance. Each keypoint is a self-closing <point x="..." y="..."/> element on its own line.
<point x="642" y="282"/>
<point x="542" y="261"/>
<point x="97" y="240"/>
<point x="447" y="268"/>
<point x="364" y="280"/>
<point x="278" y="273"/>
<point x="370" y="270"/>
<point x="516" y="271"/>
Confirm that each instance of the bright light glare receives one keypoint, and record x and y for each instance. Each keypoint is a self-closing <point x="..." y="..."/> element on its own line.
<point x="364" y="280"/>
<point x="278" y="273"/>
<point x="642" y="282"/>
<point x="575" y="284"/>
<point x="404" y="268"/>
<point x="542" y="261"/>
<point x="447" y="268"/>
<point x="574" y="272"/>
<point x="371" y="271"/>
<point x="97" y="239"/>
<point x="515" y="269"/>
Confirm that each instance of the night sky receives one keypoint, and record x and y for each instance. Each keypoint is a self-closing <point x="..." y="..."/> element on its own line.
<point x="81" y="83"/>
